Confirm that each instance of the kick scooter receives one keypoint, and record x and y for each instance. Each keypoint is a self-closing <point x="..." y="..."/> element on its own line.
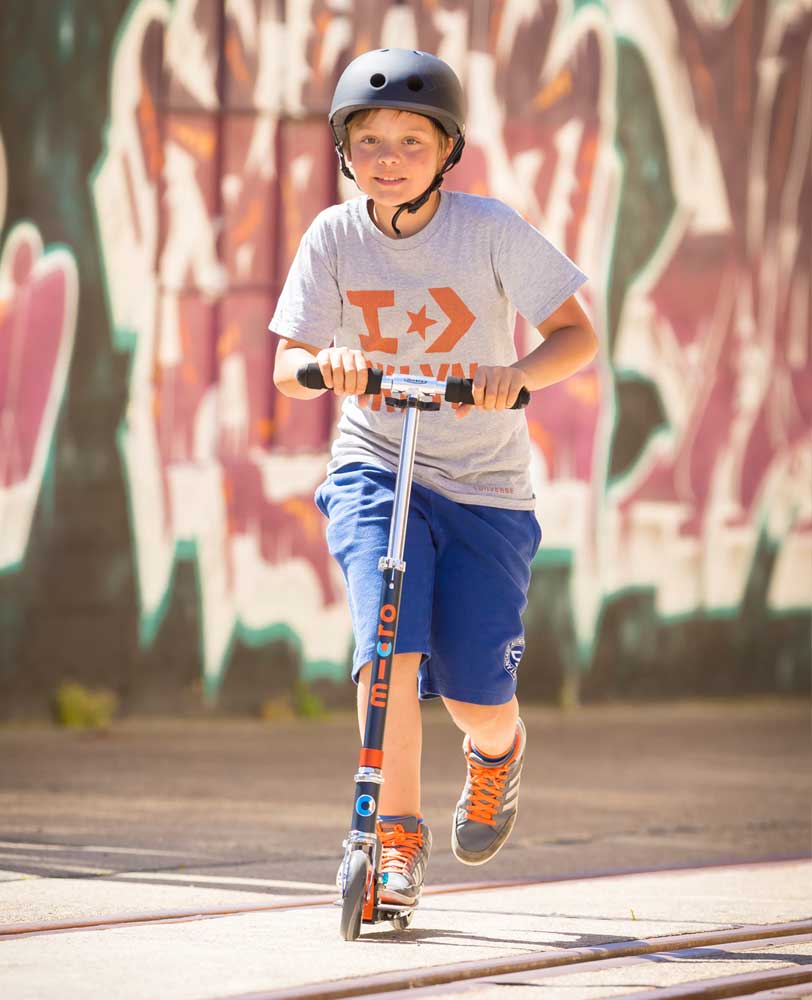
<point x="359" y="870"/>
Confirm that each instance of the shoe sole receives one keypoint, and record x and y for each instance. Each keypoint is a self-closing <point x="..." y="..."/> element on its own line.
<point x="397" y="899"/>
<point x="471" y="858"/>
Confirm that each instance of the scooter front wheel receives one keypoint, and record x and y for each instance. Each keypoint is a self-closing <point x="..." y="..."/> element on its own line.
<point x="352" y="904"/>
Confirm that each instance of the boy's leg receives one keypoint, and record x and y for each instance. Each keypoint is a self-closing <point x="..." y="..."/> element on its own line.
<point x="405" y="838"/>
<point x="494" y="754"/>
<point x="403" y="736"/>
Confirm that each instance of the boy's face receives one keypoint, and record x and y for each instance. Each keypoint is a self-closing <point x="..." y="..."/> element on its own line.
<point x="395" y="155"/>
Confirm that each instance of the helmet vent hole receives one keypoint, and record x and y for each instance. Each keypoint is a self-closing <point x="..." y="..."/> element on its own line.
<point x="377" y="80"/>
<point x="414" y="83"/>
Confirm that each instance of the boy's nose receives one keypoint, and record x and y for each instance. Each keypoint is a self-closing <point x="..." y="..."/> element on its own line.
<point x="387" y="155"/>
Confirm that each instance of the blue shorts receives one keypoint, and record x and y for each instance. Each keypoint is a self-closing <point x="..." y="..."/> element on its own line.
<point x="465" y="587"/>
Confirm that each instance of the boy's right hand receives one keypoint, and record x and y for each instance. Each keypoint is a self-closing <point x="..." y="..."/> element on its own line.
<point x="344" y="370"/>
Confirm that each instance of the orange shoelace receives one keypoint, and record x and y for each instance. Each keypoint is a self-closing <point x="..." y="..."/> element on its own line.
<point x="399" y="848"/>
<point x="487" y="787"/>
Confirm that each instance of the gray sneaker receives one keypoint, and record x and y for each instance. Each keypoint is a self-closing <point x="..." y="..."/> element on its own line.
<point x="489" y="804"/>
<point x="405" y="849"/>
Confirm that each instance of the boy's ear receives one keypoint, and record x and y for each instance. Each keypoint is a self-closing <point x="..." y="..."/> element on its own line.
<point x="445" y="151"/>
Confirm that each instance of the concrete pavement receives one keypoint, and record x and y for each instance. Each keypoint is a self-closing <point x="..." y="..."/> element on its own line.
<point x="259" y="953"/>
<point x="166" y="817"/>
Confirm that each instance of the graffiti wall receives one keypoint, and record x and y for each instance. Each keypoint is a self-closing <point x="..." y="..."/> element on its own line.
<point x="38" y="295"/>
<point x="170" y="544"/>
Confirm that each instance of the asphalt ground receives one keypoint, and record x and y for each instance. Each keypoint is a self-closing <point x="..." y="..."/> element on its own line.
<point x="253" y="806"/>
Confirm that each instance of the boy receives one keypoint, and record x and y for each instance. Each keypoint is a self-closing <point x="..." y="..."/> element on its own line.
<point x="407" y="277"/>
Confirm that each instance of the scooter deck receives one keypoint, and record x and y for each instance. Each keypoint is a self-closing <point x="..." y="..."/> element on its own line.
<point x="386" y="911"/>
<point x="389" y="910"/>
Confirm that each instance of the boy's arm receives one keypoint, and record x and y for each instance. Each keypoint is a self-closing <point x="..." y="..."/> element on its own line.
<point x="290" y="356"/>
<point x="343" y="370"/>
<point x="569" y="344"/>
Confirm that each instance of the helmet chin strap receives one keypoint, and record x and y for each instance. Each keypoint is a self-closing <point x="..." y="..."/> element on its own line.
<point x="412" y="206"/>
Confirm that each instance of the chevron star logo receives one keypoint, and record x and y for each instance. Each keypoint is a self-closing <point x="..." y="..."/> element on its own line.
<point x="372" y="301"/>
<point x="460" y="320"/>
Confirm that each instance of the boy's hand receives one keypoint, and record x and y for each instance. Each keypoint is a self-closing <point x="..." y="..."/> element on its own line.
<point x="496" y="387"/>
<point x="344" y="371"/>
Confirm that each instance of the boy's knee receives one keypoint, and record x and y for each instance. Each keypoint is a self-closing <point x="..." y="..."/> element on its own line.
<point x="468" y="715"/>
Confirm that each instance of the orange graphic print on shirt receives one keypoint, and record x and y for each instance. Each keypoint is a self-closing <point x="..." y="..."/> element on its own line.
<point x="459" y="318"/>
<point x="370" y="302"/>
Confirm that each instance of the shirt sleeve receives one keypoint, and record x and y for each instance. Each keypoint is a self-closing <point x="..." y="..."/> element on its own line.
<point x="309" y="307"/>
<point x="535" y="275"/>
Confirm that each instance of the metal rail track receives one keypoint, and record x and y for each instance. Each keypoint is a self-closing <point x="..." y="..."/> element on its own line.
<point x="531" y="968"/>
<point x="11" y="931"/>
<point x="462" y="976"/>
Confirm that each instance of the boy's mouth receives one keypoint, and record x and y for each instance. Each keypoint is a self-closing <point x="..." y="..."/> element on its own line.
<point x="390" y="181"/>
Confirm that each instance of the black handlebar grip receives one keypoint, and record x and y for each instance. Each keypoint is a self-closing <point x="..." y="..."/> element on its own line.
<point x="460" y="390"/>
<point x="310" y="377"/>
<point x="374" y="379"/>
<point x="522" y="399"/>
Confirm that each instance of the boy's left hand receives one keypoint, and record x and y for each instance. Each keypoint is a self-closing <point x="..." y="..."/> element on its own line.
<point x="496" y="387"/>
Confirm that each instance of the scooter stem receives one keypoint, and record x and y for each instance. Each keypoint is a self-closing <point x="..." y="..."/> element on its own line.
<point x="403" y="486"/>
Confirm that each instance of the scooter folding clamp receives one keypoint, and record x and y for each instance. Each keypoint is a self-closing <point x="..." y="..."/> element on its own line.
<point x="369" y="774"/>
<point x="387" y="562"/>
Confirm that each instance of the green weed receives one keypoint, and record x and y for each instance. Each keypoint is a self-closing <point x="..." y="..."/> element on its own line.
<point x="300" y="703"/>
<point x="78" y="707"/>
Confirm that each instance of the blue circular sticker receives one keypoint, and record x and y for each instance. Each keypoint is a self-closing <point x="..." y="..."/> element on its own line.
<point x="365" y="806"/>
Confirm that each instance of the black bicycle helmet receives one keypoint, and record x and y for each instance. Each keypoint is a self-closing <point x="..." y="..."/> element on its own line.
<point x="409" y="81"/>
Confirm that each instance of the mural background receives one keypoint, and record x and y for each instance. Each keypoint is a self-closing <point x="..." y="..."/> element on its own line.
<point x="163" y="160"/>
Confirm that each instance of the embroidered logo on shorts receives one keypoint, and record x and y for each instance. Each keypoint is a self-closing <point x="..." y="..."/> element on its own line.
<point x="513" y="655"/>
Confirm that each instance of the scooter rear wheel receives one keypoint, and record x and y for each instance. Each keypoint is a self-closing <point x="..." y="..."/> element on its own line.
<point x="352" y="905"/>
<point x="403" y="920"/>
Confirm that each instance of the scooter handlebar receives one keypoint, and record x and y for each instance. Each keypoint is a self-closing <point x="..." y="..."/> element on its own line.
<point x="311" y="378"/>
<point x="453" y="390"/>
<point x="461" y="390"/>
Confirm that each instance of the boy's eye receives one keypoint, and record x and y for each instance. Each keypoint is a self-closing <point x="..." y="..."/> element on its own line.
<point x="370" y="140"/>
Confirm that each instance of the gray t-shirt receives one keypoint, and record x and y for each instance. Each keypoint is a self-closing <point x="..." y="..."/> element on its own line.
<point x="437" y="303"/>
